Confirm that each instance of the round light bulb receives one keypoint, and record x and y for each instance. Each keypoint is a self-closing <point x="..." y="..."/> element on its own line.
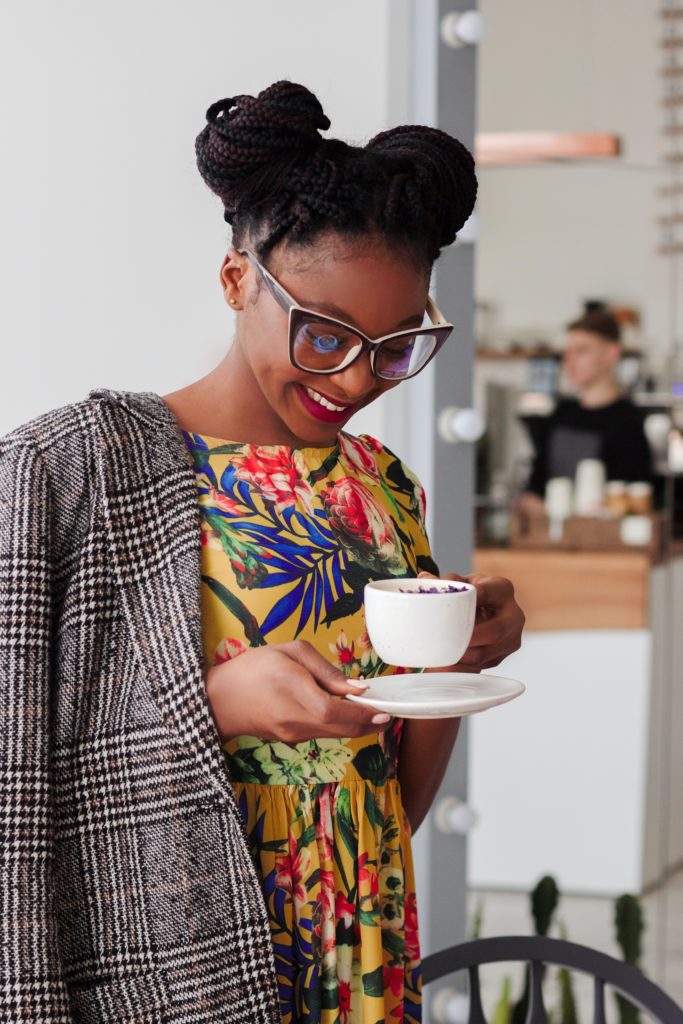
<point x="462" y="28"/>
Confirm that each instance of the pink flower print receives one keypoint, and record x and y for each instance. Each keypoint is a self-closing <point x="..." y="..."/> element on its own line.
<point x="411" y="946"/>
<point x="344" y="1000"/>
<point x="292" y="870"/>
<point x="324" y="832"/>
<point x="208" y="537"/>
<point x="217" y="499"/>
<point x="344" y="911"/>
<point x="393" y="979"/>
<point x="278" y="473"/>
<point x="362" y="522"/>
<point x="228" y="648"/>
<point x="344" y="652"/>
<point x="358" y="454"/>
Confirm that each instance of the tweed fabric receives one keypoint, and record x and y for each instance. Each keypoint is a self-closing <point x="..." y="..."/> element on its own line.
<point x="127" y="892"/>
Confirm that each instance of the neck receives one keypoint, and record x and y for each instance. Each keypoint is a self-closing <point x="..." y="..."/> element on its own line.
<point x="599" y="392"/>
<point x="227" y="403"/>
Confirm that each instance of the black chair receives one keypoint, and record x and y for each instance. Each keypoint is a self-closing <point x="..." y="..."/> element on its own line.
<point x="537" y="951"/>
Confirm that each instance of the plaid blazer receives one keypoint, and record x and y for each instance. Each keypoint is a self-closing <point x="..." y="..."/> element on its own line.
<point x="127" y="893"/>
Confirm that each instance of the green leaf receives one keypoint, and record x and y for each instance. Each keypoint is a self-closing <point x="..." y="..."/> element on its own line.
<point x="226" y="449"/>
<point x="502" y="1014"/>
<point x="427" y="564"/>
<point x="392" y="943"/>
<point x="326" y="468"/>
<point x="274" y="845"/>
<point x="348" y="604"/>
<point x="373" y="983"/>
<point x="370" y="764"/>
<point x="252" y="630"/>
<point x="544" y="900"/>
<point x="372" y="811"/>
<point x="369" y="918"/>
<point x="306" y="838"/>
<point x="356" y="575"/>
<point x="396" y="473"/>
<point x="628" y="918"/>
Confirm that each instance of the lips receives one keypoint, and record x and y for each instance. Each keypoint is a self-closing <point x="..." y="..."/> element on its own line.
<point x="322" y="407"/>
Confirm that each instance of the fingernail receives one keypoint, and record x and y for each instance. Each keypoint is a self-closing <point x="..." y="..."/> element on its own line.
<point x="359" y="683"/>
<point x="380" y="719"/>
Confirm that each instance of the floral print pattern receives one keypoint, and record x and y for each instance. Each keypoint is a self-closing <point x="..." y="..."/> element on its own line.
<point x="290" y="537"/>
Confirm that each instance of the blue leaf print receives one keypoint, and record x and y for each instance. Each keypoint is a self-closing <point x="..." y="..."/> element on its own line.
<point x="285" y="607"/>
<point x="306" y="605"/>
<point x="323" y="538"/>
<point x="318" y="598"/>
<point x="337" y="576"/>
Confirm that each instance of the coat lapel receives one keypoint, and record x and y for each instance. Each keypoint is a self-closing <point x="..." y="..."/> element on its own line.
<point x="153" y="523"/>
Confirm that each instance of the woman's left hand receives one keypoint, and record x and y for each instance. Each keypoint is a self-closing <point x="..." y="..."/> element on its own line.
<point x="498" y="625"/>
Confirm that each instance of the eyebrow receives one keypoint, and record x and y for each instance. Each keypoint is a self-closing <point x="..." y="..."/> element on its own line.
<point x="329" y="309"/>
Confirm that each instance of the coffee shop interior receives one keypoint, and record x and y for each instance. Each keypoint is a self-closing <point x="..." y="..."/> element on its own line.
<point x="582" y="216"/>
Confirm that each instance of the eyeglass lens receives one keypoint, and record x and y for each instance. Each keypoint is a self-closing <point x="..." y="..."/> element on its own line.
<point x="323" y="347"/>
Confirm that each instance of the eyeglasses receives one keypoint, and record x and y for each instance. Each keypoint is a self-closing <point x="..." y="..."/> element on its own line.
<point x="320" y="344"/>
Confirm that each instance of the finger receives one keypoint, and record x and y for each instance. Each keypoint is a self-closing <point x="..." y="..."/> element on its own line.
<point x="325" y="674"/>
<point x="481" y="657"/>
<point x="331" y="716"/>
<point x="492" y="591"/>
<point x="455" y="576"/>
<point x="495" y="630"/>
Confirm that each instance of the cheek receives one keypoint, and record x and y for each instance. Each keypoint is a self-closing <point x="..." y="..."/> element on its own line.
<point x="265" y="342"/>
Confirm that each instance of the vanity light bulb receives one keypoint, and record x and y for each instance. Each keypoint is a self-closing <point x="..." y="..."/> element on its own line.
<point x="462" y="28"/>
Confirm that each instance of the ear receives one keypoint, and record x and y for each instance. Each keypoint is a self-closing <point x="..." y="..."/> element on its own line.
<point x="232" y="276"/>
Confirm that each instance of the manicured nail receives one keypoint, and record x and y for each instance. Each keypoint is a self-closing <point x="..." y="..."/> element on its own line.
<point x="380" y="719"/>
<point x="360" y="683"/>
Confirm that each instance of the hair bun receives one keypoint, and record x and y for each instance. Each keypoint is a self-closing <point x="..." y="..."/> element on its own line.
<point x="438" y="175"/>
<point x="246" y="135"/>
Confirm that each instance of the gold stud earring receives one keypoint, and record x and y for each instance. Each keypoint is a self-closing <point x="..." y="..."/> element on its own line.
<point x="233" y="302"/>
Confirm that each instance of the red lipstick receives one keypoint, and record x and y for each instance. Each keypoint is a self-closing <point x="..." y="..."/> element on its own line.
<point x="319" y="411"/>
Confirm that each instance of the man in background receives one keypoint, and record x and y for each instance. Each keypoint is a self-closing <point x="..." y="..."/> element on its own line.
<point x="600" y="423"/>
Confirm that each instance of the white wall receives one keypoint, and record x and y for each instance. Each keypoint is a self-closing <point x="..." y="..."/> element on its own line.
<point x="553" y="236"/>
<point x="111" y="243"/>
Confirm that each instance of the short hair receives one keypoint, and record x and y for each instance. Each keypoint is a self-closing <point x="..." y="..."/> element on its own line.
<point x="279" y="180"/>
<point x="600" y="322"/>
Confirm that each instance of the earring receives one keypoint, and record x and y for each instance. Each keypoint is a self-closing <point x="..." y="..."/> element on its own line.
<point x="233" y="302"/>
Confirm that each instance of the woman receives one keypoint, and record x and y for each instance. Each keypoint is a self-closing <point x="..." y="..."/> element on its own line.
<point x="151" y="875"/>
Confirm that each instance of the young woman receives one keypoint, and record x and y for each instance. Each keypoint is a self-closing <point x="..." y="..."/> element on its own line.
<point x="196" y="827"/>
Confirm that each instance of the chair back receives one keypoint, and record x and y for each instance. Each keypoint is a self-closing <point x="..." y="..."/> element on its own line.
<point x="537" y="951"/>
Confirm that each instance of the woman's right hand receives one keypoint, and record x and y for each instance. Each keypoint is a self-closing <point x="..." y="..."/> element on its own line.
<point x="287" y="692"/>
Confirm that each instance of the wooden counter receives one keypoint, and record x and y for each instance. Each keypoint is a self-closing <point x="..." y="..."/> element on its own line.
<point x="574" y="589"/>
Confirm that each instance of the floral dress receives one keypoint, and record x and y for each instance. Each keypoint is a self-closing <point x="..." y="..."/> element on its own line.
<point x="290" y="537"/>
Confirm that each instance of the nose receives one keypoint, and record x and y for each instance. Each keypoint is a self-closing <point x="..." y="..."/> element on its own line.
<point x="357" y="380"/>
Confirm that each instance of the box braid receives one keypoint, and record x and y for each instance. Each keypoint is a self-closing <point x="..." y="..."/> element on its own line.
<point x="278" y="178"/>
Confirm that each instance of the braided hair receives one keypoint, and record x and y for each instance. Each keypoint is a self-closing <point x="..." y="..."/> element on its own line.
<point x="278" y="178"/>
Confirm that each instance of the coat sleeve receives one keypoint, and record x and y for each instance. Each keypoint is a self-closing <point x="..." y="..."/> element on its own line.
<point x="32" y="989"/>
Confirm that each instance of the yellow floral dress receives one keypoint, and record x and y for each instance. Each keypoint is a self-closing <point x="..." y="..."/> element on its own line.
<point x="290" y="537"/>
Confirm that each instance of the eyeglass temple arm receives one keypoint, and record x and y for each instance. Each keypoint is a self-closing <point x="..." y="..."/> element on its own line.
<point x="283" y="300"/>
<point x="434" y="313"/>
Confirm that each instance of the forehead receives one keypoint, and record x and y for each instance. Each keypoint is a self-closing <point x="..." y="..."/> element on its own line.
<point x="584" y="339"/>
<point x="375" y="288"/>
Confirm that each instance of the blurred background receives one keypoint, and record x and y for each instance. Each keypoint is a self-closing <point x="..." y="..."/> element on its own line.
<point x="109" y="260"/>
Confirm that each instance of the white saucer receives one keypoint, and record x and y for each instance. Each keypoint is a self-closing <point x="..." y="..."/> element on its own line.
<point x="437" y="694"/>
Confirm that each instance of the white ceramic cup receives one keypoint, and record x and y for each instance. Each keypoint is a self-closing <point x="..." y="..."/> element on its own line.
<point x="589" y="491"/>
<point x="559" y="497"/>
<point x="416" y="629"/>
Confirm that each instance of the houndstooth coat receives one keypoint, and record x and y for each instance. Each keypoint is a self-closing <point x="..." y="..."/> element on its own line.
<point x="127" y="893"/>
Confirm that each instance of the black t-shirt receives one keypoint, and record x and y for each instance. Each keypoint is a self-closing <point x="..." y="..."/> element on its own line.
<point x="613" y="433"/>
